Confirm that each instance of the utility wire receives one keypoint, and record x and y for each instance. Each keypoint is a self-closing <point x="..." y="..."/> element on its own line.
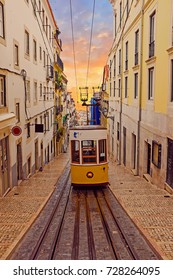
<point x="89" y="53"/>
<point x="74" y="57"/>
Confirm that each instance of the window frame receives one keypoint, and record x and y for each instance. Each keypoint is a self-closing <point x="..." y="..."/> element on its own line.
<point x="136" y="85"/>
<point x="151" y="83"/>
<point x="152" y="34"/>
<point x="2" y="22"/>
<point x="3" y="91"/>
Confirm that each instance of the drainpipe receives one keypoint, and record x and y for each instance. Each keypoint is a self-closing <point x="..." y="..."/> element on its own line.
<point x="140" y="89"/>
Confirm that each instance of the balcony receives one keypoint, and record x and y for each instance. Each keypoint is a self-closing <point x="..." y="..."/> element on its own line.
<point x="59" y="62"/>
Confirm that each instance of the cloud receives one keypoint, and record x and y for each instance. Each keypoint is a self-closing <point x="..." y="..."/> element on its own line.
<point x="101" y="40"/>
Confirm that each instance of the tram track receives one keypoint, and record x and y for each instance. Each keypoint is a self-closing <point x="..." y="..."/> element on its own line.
<point x="86" y="224"/>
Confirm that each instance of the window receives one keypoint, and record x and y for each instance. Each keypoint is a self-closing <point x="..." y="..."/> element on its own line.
<point x="39" y="6"/>
<point x="46" y="26"/>
<point x="2" y="92"/>
<point x="114" y="65"/>
<point x="28" y="130"/>
<point x="44" y="94"/>
<point x="120" y="13"/>
<point x="34" y="7"/>
<point x="50" y="33"/>
<point x="126" y="61"/>
<point x="89" y="154"/>
<point x="119" y="87"/>
<point x="2" y="33"/>
<point x="44" y="59"/>
<point x="26" y="42"/>
<point x="34" y="50"/>
<point x="114" y="88"/>
<point x="115" y="24"/>
<point x="156" y="153"/>
<point x="41" y="90"/>
<point x="118" y="131"/>
<point x="35" y="92"/>
<point x="40" y="54"/>
<point x="29" y="165"/>
<point x="28" y="97"/>
<point x="16" y="55"/>
<point x="18" y="112"/>
<point x="127" y="8"/>
<point x="126" y="87"/>
<point x="75" y="150"/>
<point x="43" y="19"/>
<point x="136" y="46"/>
<point x="152" y="35"/>
<point x="45" y="123"/>
<point x="102" y="151"/>
<point x="150" y="83"/>
<point x="110" y="70"/>
<point x="119" y="62"/>
<point x="136" y="85"/>
<point x="171" y="80"/>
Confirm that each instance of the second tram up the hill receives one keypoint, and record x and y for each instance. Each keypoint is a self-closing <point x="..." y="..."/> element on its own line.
<point x="89" y="155"/>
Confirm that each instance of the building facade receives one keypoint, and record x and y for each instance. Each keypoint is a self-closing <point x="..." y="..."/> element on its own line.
<point x="141" y="88"/>
<point x="27" y="47"/>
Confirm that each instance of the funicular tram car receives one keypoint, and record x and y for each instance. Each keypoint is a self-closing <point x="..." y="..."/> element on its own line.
<point x="89" y="155"/>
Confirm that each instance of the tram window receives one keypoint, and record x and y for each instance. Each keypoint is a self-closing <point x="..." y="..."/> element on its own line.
<point x="89" y="154"/>
<point x="75" y="151"/>
<point x="102" y="150"/>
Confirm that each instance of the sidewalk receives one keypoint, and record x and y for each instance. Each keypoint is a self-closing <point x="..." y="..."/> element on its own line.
<point x="151" y="208"/>
<point x="20" y="207"/>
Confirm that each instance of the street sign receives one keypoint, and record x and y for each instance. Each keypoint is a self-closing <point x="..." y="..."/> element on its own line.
<point x="16" y="130"/>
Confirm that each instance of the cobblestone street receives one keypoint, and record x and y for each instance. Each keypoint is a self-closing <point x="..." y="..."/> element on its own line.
<point x="150" y="207"/>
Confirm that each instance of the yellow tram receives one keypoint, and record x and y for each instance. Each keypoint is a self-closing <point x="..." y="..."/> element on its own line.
<point x="89" y="155"/>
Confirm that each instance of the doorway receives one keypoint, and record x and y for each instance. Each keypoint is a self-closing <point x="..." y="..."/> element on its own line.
<point x="19" y="162"/>
<point x="4" y="165"/>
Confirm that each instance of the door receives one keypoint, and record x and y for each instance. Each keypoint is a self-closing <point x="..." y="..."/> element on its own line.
<point x="36" y="155"/>
<point x="124" y="145"/>
<point x="4" y="162"/>
<point x="19" y="161"/>
<point x="149" y="159"/>
<point x="41" y="148"/>
<point x="133" y="154"/>
<point x="169" y="176"/>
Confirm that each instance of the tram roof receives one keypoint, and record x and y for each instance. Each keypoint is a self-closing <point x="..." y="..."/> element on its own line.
<point x="88" y="127"/>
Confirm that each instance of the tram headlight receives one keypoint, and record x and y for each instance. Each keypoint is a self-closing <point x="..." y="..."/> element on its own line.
<point x="90" y="174"/>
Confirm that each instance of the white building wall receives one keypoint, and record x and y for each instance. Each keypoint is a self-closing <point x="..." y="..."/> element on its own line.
<point x="19" y="16"/>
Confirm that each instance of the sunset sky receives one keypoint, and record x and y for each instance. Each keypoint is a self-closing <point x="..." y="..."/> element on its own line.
<point x="101" y="39"/>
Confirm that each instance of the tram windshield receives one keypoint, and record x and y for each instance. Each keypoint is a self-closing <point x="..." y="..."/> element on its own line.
<point x="89" y="153"/>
